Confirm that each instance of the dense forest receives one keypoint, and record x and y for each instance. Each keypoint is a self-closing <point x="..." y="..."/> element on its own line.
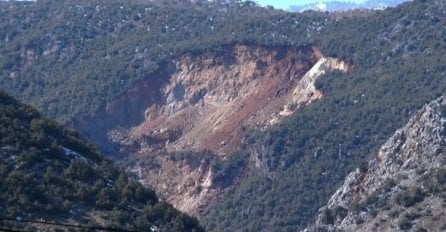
<point x="72" y="58"/>
<point x="50" y="173"/>
<point x="399" y="57"/>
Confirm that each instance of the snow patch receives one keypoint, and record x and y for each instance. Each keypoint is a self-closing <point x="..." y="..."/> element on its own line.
<point x="75" y="155"/>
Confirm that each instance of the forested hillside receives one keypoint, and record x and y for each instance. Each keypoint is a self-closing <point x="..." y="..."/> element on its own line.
<point x="73" y="58"/>
<point x="50" y="174"/>
<point x="398" y="58"/>
<point x="401" y="188"/>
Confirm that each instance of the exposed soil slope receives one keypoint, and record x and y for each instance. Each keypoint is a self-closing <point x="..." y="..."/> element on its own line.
<point x="213" y="98"/>
<point x="205" y="105"/>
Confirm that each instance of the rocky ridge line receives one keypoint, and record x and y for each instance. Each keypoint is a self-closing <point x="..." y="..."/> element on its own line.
<point x="402" y="188"/>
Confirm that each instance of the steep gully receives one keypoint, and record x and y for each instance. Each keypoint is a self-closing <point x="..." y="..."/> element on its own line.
<point x="205" y="103"/>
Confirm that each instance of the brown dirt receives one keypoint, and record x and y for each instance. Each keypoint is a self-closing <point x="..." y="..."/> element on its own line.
<point x="209" y="102"/>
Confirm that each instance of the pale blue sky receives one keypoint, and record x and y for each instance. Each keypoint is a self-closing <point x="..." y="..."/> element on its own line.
<point x="285" y="4"/>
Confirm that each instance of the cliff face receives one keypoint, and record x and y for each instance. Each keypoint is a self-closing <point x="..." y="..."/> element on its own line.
<point x="402" y="188"/>
<point x="204" y="104"/>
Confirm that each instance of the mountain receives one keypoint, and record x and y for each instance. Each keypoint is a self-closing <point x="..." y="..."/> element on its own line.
<point x="295" y="167"/>
<point x="72" y="58"/>
<point x="211" y="102"/>
<point x="345" y="5"/>
<point x="402" y="187"/>
<point x="50" y="174"/>
<point x="250" y="118"/>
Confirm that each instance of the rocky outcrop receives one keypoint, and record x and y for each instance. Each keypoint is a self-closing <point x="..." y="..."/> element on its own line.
<point x="402" y="188"/>
<point x="305" y="92"/>
<point x="184" y="180"/>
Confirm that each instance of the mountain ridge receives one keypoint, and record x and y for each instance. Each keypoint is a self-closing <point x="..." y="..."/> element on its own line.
<point x="283" y="174"/>
<point x="402" y="187"/>
<point x="333" y="6"/>
<point x="208" y="105"/>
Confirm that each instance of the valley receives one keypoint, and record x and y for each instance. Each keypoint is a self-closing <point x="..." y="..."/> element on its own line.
<point x="247" y="118"/>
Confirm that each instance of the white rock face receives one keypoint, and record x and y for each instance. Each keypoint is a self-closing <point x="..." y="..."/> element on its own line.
<point x="402" y="187"/>
<point x="305" y="91"/>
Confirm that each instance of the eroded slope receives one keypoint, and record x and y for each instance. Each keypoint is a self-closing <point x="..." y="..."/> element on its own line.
<point x="205" y="109"/>
<point x="212" y="99"/>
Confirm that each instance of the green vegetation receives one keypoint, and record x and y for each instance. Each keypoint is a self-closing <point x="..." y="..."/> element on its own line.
<point x="227" y="170"/>
<point x="410" y="197"/>
<point x="51" y="173"/>
<point x="398" y="58"/>
<point x="405" y="224"/>
<point x="71" y="58"/>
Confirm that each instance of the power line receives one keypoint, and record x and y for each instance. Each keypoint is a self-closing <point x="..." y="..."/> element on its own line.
<point x="10" y="230"/>
<point x="61" y="224"/>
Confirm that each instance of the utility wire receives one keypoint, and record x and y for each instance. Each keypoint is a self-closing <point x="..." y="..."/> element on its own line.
<point x="10" y="230"/>
<point x="62" y="224"/>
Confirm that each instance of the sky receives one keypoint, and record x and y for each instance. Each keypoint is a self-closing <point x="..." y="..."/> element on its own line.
<point x="285" y="4"/>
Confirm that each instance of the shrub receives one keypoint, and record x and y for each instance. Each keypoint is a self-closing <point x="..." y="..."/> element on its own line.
<point x="410" y="197"/>
<point x="405" y="224"/>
